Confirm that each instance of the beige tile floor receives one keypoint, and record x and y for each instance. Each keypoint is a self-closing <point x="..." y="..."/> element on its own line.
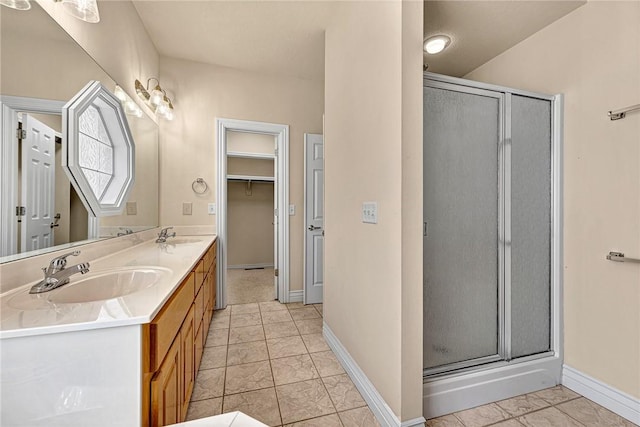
<point x="245" y="286"/>
<point x="270" y="361"/>
<point x="557" y="406"/>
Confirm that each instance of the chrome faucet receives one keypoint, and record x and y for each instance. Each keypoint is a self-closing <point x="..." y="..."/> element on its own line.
<point x="164" y="233"/>
<point x="57" y="274"/>
<point x="125" y="231"/>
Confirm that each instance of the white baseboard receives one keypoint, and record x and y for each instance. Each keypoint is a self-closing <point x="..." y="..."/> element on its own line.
<point x="249" y="266"/>
<point x="614" y="400"/>
<point x="295" y="296"/>
<point x="378" y="406"/>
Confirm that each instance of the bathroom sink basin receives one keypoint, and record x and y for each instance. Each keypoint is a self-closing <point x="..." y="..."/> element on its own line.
<point x="107" y="284"/>
<point x="182" y="241"/>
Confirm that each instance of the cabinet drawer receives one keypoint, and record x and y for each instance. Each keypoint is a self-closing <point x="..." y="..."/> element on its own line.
<point x="165" y="326"/>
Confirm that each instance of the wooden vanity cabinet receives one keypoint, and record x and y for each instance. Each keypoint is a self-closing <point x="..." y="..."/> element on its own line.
<point x="166" y="406"/>
<point x="173" y="344"/>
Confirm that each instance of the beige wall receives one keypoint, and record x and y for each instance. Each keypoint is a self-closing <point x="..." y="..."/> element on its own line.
<point x="250" y="142"/>
<point x="119" y="43"/>
<point x="49" y="74"/>
<point x="188" y="143"/>
<point x="591" y="56"/>
<point x="145" y="191"/>
<point x="250" y="224"/>
<point x="412" y="282"/>
<point x="366" y="141"/>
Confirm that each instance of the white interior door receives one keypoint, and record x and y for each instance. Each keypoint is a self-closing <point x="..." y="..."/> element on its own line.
<point x="314" y="218"/>
<point x="38" y="184"/>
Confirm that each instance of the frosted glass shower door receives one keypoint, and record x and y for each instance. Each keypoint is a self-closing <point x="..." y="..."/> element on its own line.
<point x="462" y="214"/>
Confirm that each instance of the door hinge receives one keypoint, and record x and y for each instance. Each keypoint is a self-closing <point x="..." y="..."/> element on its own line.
<point x="275" y="152"/>
<point x="275" y="272"/>
<point x="275" y="212"/>
<point x="424" y="229"/>
<point x="21" y="211"/>
<point x="21" y="133"/>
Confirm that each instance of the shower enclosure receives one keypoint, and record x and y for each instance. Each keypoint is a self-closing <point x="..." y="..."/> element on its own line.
<point x="491" y="243"/>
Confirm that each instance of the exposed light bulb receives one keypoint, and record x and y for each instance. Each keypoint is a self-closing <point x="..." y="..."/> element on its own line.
<point x="85" y="10"/>
<point x="16" y="4"/>
<point x="162" y="109"/>
<point x="156" y="96"/>
<point x="436" y="44"/>
<point x="169" y="114"/>
<point x="130" y="107"/>
<point x="120" y="94"/>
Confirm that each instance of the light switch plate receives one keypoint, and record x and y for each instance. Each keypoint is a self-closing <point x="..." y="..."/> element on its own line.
<point x="187" y="208"/>
<point x="370" y="212"/>
<point x="211" y="208"/>
<point x="132" y="208"/>
<point x="292" y="209"/>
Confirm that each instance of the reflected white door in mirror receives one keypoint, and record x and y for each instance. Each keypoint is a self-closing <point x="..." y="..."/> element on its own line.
<point x="31" y="187"/>
<point x="37" y="182"/>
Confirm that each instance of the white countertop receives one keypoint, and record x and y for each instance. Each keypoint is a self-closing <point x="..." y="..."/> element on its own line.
<point x="24" y="314"/>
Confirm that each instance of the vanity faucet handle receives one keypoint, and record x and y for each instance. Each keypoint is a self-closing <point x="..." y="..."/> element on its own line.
<point x="59" y="263"/>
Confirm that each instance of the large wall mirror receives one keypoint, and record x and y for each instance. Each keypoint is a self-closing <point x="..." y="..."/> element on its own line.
<point x="42" y="65"/>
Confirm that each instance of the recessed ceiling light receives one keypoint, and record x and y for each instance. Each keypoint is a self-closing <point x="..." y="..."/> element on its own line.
<point x="436" y="44"/>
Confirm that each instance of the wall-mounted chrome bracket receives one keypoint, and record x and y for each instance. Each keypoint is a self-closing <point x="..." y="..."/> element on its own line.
<point x="619" y="257"/>
<point x="622" y="113"/>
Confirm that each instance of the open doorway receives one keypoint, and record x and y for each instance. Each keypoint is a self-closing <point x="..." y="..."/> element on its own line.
<point x="251" y="228"/>
<point x="252" y="221"/>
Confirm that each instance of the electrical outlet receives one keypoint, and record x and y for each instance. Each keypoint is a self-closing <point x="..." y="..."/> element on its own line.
<point x="292" y="209"/>
<point x="211" y="208"/>
<point x="132" y="208"/>
<point x="370" y="212"/>
<point x="187" y="208"/>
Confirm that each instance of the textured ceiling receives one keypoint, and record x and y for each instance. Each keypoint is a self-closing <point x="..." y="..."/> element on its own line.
<point x="481" y="30"/>
<point x="287" y="37"/>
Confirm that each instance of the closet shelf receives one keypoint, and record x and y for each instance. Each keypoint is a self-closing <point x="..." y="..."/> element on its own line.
<point x="250" y="178"/>
<point x="245" y="155"/>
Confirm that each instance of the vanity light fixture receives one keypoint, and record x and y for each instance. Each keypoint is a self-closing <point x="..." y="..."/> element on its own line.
<point x="436" y="44"/>
<point x="157" y="100"/>
<point x="85" y="10"/>
<point x="130" y="107"/>
<point x="16" y="4"/>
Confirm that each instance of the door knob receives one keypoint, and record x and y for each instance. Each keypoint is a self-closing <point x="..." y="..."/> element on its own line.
<point x="313" y="227"/>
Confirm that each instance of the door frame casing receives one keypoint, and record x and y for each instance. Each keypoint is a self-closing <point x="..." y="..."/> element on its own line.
<point x="10" y="106"/>
<point x="447" y="393"/>
<point x="281" y="134"/>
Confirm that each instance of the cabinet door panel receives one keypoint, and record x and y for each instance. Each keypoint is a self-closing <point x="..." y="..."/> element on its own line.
<point x="166" y="398"/>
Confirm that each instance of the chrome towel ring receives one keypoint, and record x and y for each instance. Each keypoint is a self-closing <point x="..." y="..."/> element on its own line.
<point x="199" y="186"/>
